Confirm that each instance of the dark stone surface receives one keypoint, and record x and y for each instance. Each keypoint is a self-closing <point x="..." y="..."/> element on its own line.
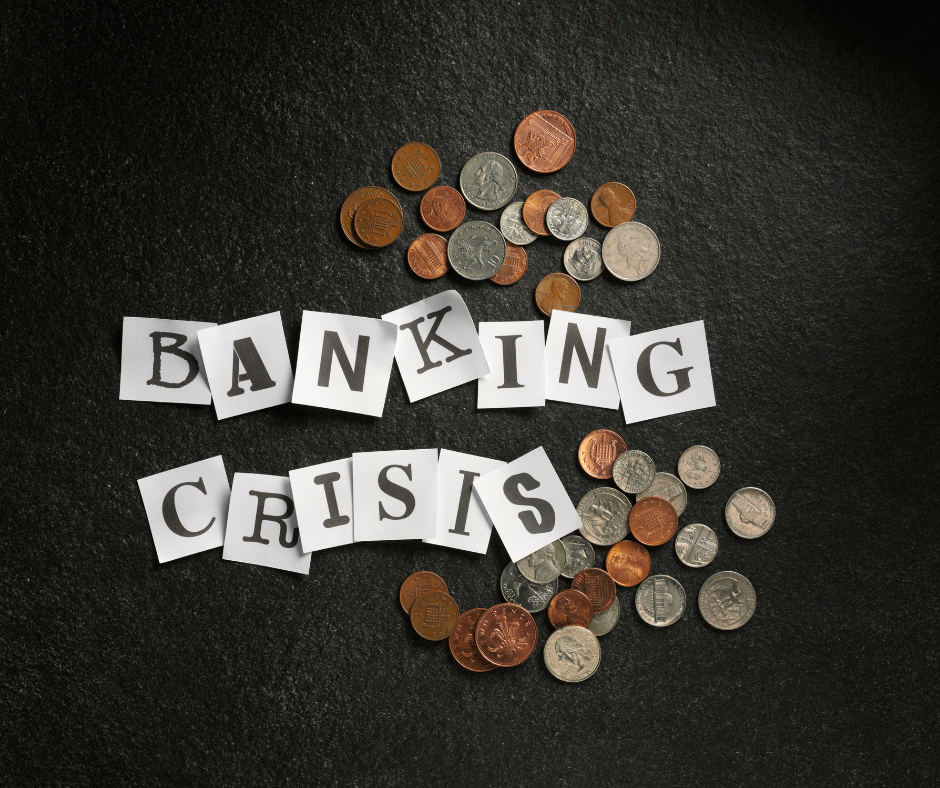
<point x="191" y="163"/>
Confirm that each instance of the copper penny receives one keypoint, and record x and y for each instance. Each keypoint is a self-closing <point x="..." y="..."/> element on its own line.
<point x="557" y="291"/>
<point x="613" y="204"/>
<point x="351" y="205"/>
<point x="598" y="451"/>
<point x="443" y="208"/>
<point x="535" y="207"/>
<point x="415" y="166"/>
<point x="434" y="615"/>
<point x="506" y="635"/>
<point x="513" y="266"/>
<point x="378" y="222"/>
<point x="545" y="141"/>
<point x="427" y="256"/>
<point x="653" y="521"/>
<point x="417" y="584"/>
<point x="570" y="607"/>
<point x="463" y="644"/>
<point x="596" y="585"/>
<point x="628" y="563"/>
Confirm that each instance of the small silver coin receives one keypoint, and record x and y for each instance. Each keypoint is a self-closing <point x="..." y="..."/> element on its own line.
<point x="602" y="623"/>
<point x="567" y="219"/>
<point x="660" y="600"/>
<point x="476" y="250"/>
<point x="727" y="600"/>
<point x="667" y="486"/>
<point x="513" y="227"/>
<point x="572" y="654"/>
<point x="699" y="467"/>
<point x="750" y="512"/>
<point x="583" y="259"/>
<point x="633" y="471"/>
<point x="545" y="564"/>
<point x="696" y="545"/>
<point x="604" y="512"/>
<point x="488" y="181"/>
<point x="579" y="555"/>
<point x="534" y="597"/>
<point x="630" y="251"/>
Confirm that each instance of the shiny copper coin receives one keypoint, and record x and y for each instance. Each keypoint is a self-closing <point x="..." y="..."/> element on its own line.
<point x="513" y="266"/>
<point x="417" y="584"/>
<point x="434" y="615"/>
<point x="506" y="635"/>
<point x="463" y="644"/>
<point x="598" y="451"/>
<point x="653" y="521"/>
<point x="535" y="207"/>
<point x="427" y="256"/>
<point x="415" y="166"/>
<point x="613" y="204"/>
<point x="628" y="563"/>
<point x="596" y="585"/>
<point x="351" y="205"/>
<point x="545" y="141"/>
<point x="443" y="208"/>
<point x="378" y="222"/>
<point x="557" y="291"/>
<point x="570" y="607"/>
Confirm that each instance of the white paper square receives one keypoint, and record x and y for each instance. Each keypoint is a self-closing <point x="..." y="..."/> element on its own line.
<point x="462" y="523"/>
<point x="535" y="471"/>
<point x="590" y="378"/>
<point x="250" y="500"/>
<point x="407" y="507"/>
<point x="261" y="340"/>
<point x="151" y="376"/>
<point x="515" y="352"/>
<point x="440" y="366"/>
<point x="323" y="497"/>
<point x="187" y="508"/>
<point x="344" y="362"/>
<point x="653" y="370"/>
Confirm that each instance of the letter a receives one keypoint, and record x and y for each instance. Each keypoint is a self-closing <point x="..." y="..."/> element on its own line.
<point x="244" y="354"/>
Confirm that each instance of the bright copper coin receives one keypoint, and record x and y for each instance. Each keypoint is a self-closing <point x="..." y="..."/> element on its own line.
<point x="378" y="222"/>
<point x="557" y="291"/>
<point x="513" y="266"/>
<point x="596" y="585"/>
<point x="628" y="563"/>
<point x="653" y="521"/>
<point x="443" y="208"/>
<point x="463" y="644"/>
<point x="570" y="607"/>
<point x="351" y="205"/>
<point x="598" y="451"/>
<point x="535" y="207"/>
<point x="613" y="204"/>
<point x="415" y="166"/>
<point x="506" y="635"/>
<point x="545" y="141"/>
<point x="417" y="584"/>
<point x="427" y="256"/>
<point x="434" y="615"/>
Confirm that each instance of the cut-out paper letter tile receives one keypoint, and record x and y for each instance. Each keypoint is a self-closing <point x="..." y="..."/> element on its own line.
<point x="394" y="494"/>
<point x="323" y="497"/>
<point x="515" y="352"/>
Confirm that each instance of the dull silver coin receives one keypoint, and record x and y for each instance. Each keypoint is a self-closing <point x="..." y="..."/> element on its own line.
<point x="660" y="600"/>
<point x="578" y="555"/>
<point x="583" y="259"/>
<point x="545" y="564"/>
<point x="567" y="219"/>
<point x="727" y="600"/>
<point x="750" y="512"/>
<point x="572" y="654"/>
<point x="476" y="250"/>
<point x="630" y="251"/>
<point x="696" y="545"/>
<point x="699" y="467"/>
<point x="667" y="486"/>
<point x="513" y="227"/>
<point x="633" y="471"/>
<point x="534" y="597"/>
<point x="604" y="512"/>
<point x="602" y="623"/>
<point x="488" y="181"/>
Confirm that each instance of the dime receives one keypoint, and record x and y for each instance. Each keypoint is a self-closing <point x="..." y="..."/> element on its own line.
<point x="351" y="205"/>
<point x="545" y="564"/>
<point x="535" y="207"/>
<point x="506" y="635"/>
<point x="378" y="222"/>
<point x="434" y="615"/>
<point x="727" y="600"/>
<point x="598" y="451"/>
<point x="417" y="584"/>
<point x="513" y="227"/>
<point x="699" y="467"/>
<point x="633" y="471"/>
<point x="572" y="654"/>
<point x="613" y="204"/>
<point x="653" y="521"/>
<point x="488" y="181"/>
<point x="534" y="597"/>
<point x="578" y="555"/>
<point x="557" y="291"/>
<point x="583" y="259"/>
<point x="513" y="267"/>
<point x="750" y="512"/>
<point x="476" y="250"/>
<point x="442" y="208"/>
<point x="567" y="219"/>
<point x="570" y="608"/>
<point x="631" y="251"/>
<point x="604" y="512"/>
<point x="415" y="166"/>
<point x="602" y="623"/>
<point x="463" y="644"/>
<point x="628" y="563"/>
<point x="660" y="600"/>
<point x="545" y="141"/>
<point x="665" y="485"/>
<point x="596" y="585"/>
<point x="696" y="545"/>
<point x="427" y="256"/>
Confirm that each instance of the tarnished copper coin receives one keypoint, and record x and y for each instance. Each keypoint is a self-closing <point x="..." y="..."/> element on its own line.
<point x="535" y="207"/>
<point x="351" y="205"/>
<point x="434" y="615"/>
<point x="506" y="635"/>
<point x="557" y="291"/>
<point x="378" y="222"/>
<point x="463" y="644"/>
<point x="653" y="521"/>
<point x="613" y="204"/>
<point x="417" y="584"/>
<point x="596" y="585"/>
<point x="598" y="451"/>
<point x="513" y="266"/>
<point x="545" y="141"/>
<point x="415" y="166"/>
<point x="443" y="208"/>
<point x="628" y="563"/>
<point x="570" y="607"/>
<point x="427" y="256"/>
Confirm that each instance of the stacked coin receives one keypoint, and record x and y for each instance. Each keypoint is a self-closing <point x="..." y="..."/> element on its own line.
<point x="371" y="217"/>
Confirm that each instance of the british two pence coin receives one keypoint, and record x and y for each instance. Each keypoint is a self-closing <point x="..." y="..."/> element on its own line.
<point x="628" y="563"/>
<point x="597" y="452"/>
<point x="535" y="207"/>
<point x="545" y="564"/>
<point x="727" y="600"/>
<point x="442" y="208"/>
<point x="630" y="251"/>
<point x="653" y="521"/>
<point x="534" y="597"/>
<point x="378" y="222"/>
<point x="513" y="267"/>
<point x="352" y="204"/>
<point x="545" y="141"/>
<point x="463" y="644"/>
<point x="696" y="545"/>
<point x="415" y="166"/>
<point x="488" y="181"/>
<point x="596" y="585"/>
<point x="750" y="512"/>
<point x="583" y="259"/>
<point x="613" y="204"/>
<point x="566" y="219"/>
<point x="570" y="608"/>
<point x="506" y="635"/>
<point x="427" y="256"/>
<point x="699" y="467"/>
<point x="633" y="471"/>
<point x="434" y="615"/>
<point x="513" y="227"/>
<point x="660" y="600"/>
<point x="557" y="291"/>
<point x="602" y="623"/>
<point x="572" y="654"/>
<point x="476" y="250"/>
<point x="579" y="554"/>
<point x="604" y="512"/>
<point x="665" y="485"/>
<point x="417" y="584"/>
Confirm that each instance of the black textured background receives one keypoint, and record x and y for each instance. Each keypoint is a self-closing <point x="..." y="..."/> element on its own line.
<point x="190" y="164"/>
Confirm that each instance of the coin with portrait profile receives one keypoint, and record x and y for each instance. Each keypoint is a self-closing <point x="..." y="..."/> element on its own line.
<point x="570" y="608"/>
<point x="572" y="654"/>
<point x="442" y="208"/>
<point x="630" y="251"/>
<point x="628" y="563"/>
<point x="515" y="588"/>
<point x="579" y="554"/>
<point x="476" y="250"/>
<point x="535" y="207"/>
<point x="513" y="227"/>
<point x="613" y="204"/>
<point x="545" y="141"/>
<point x="488" y="181"/>
<point x="557" y="291"/>
<point x="665" y="485"/>
<point x="427" y="256"/>
<point x="415" y="166"/>
<point x="583" y="259"/>
<point x="545" y="564"/>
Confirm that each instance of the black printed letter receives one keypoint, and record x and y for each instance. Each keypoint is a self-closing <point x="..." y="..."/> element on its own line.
<point x="171" y="516"/>
<point x="423" y="344"/>
<point x="355" y="378"/>
<point x="543" y="507"/>
<point x="159" y="349"/>
<point x="510" y="368"/>
<point x="402" y="494"/>
<point x="327" y="480"/>
<point x="281" y="519"/>
<point x="245" y="354"/>
<point x="463" y="506"/>
<point x="574" y="343"/>
<point x="645" y="374"/>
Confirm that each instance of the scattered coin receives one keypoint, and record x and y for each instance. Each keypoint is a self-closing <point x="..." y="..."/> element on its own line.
<point x="613" y="204"/>
<point x="572" y="654"/>
<point x="488" y="181"/>
<point x="566" y="219"/>
<point x="513" y="267"/>
<point x="602" y="623"/>
<point x="534" y="597"/>
<point x="699" y="467"/>
<point x="750" y="512"/>
<point x="578" y="555"/>
<point x="628" y="563"/>
<point x="557" y="291"/>
<point x="352" y="203"/>
<point x="596" y="585"/>
<point x="415" y="166"/>
<point x="633" y="471"/>
<point x="604" y="512"/>
<point x="696" y="545"/>
<point x="434" y="615"/>
<point x="660" y="600"/>
<point x="727" y="600"/>
<point x="598" y="451"/>
<point x="545" y="564"/>
<point x="378" y="222"/>
<point x="506" y="635"/>
<point x="653" y="521"/>
<point x="630" y="251"/>
<point x="476" y="250"/>
<point x="535" y="207"/>
<point x="417" y="584"/>
<point x="513" y="227"/>
<point x="463" y="644"/>
<point x="665" y="485"/>
<point x="545" y="141"/>
<point x="443" y="208"/>
<point x="583" y="259"/>
<point x="427" y="256"/>
<point x="570" y="608"/>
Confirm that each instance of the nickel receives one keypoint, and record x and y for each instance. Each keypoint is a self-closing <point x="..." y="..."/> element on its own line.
<point x="750" y="512"/>
<point x="578" y="555"/>
<point x="660" y="600"/>
<point x="667" y="486"/>
<point x="545" y="564"/>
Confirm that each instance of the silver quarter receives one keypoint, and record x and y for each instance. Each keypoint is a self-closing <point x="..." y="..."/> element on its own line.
<point x="750" y="512"/>
<point x="545" y="564"/>
<point x="534" y="597"/>
<point x="578" y="555"/>
<point x="631" y="251"/>
<point x="633" y="471"/>
<point x="572" y="654"/>
<point x="604" y="512"/>
<point x="660" y="600"/>
<point x="602" y="623"/>
<point x="727" y="600"/>
<point x="696" y="545"/>
<point x="667" y="486"/>
<point x="583" y="259"/>
<point x="699" y="467"/>
<point x="567" y="219"/>
<point x="513" y="227"/>
<point x="488" y="181"/>
<point x="476" y="250"/>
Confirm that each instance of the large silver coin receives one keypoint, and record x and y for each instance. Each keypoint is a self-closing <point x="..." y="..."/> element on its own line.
<point x="727" y="600"/>
<point x="750" y="512"/>
<point x="572" y="654"/>
<point x="602" y="623"/>
<point x="696" y="545"/>
<point x="633" y="471"/>
<point x="699" y="467"/>
<point x="534" y="597"/>
<point x="476" y="250"/>
<point x="631" y="251"/>
<point x="488" y="181"/>
<point x="604" y="512"/>
<point x="567" y="219"/>
<point x="660" y="600"/>
<point x="583" y="259"/>
<point x="545" y="564"/>
<point x="513" y="227"/>
<point x="667" y="486"/>
<point x="578" y="555"/>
